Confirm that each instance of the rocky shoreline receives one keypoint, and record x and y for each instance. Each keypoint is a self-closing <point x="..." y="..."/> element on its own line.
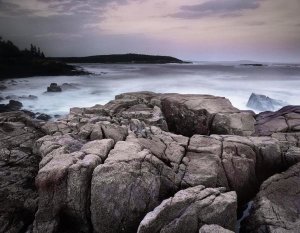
<point x="148" y="162"/>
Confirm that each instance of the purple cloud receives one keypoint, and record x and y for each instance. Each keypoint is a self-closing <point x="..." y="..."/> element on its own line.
<point x="223" y="8"/>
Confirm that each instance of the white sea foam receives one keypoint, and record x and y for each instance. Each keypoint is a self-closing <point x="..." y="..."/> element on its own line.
<point x="234" y="82"/>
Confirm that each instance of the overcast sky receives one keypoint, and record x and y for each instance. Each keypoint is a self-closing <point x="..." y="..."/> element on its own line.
<point x="204" y="30"/>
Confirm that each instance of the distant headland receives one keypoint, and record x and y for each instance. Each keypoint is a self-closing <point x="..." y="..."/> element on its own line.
<point x="121" y="58"/>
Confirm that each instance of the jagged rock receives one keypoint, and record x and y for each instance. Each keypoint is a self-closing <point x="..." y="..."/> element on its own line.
<point x="285" y="120"/>
<point x="213" y="229"/>
<point x="98" y="147"/>
<point x="194" y="114"/>
<point x="138" y="181"/>
<point x="189" y="209"/>
<point x="235" y="162"/>
<point x="54" y="88"/>
<point x="203" y="163"/>
<point x="115" y="132"/>
<point x="18" y="167"/>
<point x="276" y="206"/>
<point x="241" y="123"/>
<point x="63" y="182"/>
<point x="86" y="185"/>
<point x="264" y="103"/>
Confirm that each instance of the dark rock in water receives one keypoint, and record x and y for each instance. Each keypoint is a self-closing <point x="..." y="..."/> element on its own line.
<point x="277" y="205"/>
<point x="29" y="113"/>
<point x="13" y="105"/>
<point x="43" y="117"/>
<point x="26" y="97"/>
<point x="1" y="98"/>
<point x="264" y="103"/>
<point x="2" y="87"/>
<point x="12" y="97"/>
<point x="29" y="97"/>
<point x="54" y="88"/>
<point x="69" y="86"/>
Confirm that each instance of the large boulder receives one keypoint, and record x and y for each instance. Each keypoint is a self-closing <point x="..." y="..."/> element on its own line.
<point x="63" y="182"/>
<point x="235" y="162"/>
<point x="127" y="186"/>
<point x="18" y="167"/>
<point x="194" y="114"/>
<point x="277" y="205"/>
<point x="264" y="103"/>
<point x="189" y="209"/>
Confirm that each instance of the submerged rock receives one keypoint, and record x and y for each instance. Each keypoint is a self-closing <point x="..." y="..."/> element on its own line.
<point x="69" y="86"/>
<point x="264" y="103"/>
<point x="54" y="88"/>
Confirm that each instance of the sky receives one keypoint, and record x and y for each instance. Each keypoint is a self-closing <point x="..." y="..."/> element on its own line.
<point x="199" y="30"/>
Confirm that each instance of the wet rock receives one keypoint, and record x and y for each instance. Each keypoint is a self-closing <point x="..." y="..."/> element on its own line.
<point x="43" y="116"/>
<point x="13" y="105"/>
<point x="264" y="103"/>
<point x="189" y="209"/>
<point x="54" y="88"/>
<point x="276" y="206"/>
<point x="29" y="97"/>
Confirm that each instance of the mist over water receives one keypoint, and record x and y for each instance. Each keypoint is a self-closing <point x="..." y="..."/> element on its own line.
<point x="234" y="82"/>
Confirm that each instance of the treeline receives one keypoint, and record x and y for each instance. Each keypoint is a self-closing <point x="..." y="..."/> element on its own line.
<point x="10" y="51"/>
<point x="121" y="58"/>
<point x="16" y="63"/>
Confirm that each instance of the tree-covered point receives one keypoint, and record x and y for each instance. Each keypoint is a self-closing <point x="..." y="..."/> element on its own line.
<point x="16" y="63"/>
<point x="9" y="50"/>
<point x="121" y="58"/>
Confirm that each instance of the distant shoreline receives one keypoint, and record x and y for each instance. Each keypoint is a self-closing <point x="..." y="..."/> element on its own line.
<point x="121" y="59"/>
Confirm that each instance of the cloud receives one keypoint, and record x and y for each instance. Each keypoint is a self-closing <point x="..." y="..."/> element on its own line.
<point x="222" y="8"/>
<point x="47" y="8"/>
